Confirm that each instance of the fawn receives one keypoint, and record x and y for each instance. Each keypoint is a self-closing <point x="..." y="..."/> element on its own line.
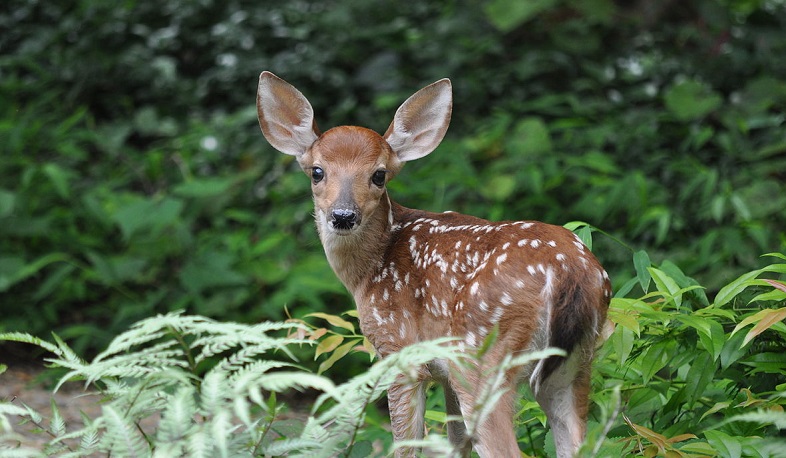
<point x="417" y="275"/>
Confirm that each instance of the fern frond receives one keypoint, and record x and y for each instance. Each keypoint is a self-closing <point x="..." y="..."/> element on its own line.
<point x="121" y="436"/>
<point x="761" y="416"/>
<point x="286" y="447"/>
<point x="7" y="409"/>
<point x="27" y="338"/>
<point x="57" y="424"/>
<point x="20" y="452"/>
<point x="220" y="428"/>
<point x="199" y="445"/>
<point x="213" y="396"/>
<point x="431" y="445"/>
<point x="177" y="418"/>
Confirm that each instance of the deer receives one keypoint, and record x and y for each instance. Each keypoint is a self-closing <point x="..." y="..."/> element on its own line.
<point x="417" y="275"/>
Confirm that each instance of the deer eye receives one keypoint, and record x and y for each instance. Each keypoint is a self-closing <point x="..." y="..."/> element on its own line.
<point x="317" y="174"/>
<point x="378" y="178"/>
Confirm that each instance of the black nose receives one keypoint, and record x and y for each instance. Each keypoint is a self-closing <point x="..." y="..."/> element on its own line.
<point x="344" y="218"/>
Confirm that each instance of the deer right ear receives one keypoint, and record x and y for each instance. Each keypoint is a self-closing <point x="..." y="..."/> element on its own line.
<point x="285" y="116"/>
<point x="421" y="121"/>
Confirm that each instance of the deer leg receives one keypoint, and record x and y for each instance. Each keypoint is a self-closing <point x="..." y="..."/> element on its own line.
<point x="407" y="404"/>
<point x="495" y="436"/>
<point x="457" y="430"/>
<point x="564" y="398"/>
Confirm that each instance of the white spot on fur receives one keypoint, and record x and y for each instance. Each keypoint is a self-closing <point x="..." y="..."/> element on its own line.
<point x="501" y="258"/>
<point x="506" y="299"/>
<point x="497" y="315"/>
<point x="471" y="339"/>
<point x="474" y="288"/>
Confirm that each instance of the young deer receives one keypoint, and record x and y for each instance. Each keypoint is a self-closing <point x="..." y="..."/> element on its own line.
<point x="417" y="275"/>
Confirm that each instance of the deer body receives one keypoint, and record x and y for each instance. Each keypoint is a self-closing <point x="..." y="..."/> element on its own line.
<point x="417" y="275"/>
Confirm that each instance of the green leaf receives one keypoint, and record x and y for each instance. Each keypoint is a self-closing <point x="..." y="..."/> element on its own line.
<point x="328" y="344"/>
<point x="764" y="319"/>
<point x="725" y="445"/>
<point x="337" y="354"/>
<point x="334" y="320"/>
<point x="14" y="270"/>
<point x="691" y="100"/>
<point x="7" y="203"/>
<point x="666" y="284"/>
<point x="530" y="137"/>
<point x="506" y="15"/>
<point x="585" y="234"/>
<point x="500" y="188"/>
<point x="710" y="333"/>
<point x="700" y="374"/>
<point x="59" y="178"/>
<point x="147" y="214"/>
<point x="641" y="262"/>
<point x="731" y="290"/>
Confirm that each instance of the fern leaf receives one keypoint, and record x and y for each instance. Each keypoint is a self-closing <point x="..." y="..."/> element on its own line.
<point x="121" y="437"/>
<point x="773" y="417"/>
<point x="199" y="445"/>
<point x="178" y="417"/>
<point x="57" y="424"/>
<point x="213" y="395"/>
<point x="284" y="447"/>
<point x="7" y="409"/>
<point x="27" y="338"/>
<point x="220" y="429"/>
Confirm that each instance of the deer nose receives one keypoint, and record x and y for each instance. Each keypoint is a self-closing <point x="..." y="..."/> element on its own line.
<point x="344" y="218"/>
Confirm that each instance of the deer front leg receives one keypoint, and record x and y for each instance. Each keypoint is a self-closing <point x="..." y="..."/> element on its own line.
<point x="407" y="404"/>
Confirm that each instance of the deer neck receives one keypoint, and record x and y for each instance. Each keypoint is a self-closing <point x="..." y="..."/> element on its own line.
<point x="355" y="257"/>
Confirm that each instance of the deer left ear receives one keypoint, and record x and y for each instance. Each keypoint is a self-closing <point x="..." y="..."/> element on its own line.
<point x="421" y="121"/>
<point x="285" y="116"/>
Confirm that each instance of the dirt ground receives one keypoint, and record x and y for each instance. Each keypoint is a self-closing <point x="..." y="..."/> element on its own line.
<point x="25" y="385"/>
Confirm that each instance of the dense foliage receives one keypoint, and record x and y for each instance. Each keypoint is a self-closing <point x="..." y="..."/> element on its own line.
<point x="134" y="180"/>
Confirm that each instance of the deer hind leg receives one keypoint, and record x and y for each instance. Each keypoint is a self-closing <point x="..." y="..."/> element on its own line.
<point x="564" y="397"/>
<point x="457" y="430"/>
<point x="407" y="404"/>
<point x="494" y="437"/>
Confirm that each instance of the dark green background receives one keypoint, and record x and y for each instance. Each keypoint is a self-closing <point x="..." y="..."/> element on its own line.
<point x="134" y="178"/>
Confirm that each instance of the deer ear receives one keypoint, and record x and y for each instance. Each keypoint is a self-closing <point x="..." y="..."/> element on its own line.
<point x="285" y="116"/>
<point x="421" y="121"/>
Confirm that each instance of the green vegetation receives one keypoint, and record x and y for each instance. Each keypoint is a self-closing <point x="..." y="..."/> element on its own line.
<point x="134" y="182"/>
<point x="680" y="376"/>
